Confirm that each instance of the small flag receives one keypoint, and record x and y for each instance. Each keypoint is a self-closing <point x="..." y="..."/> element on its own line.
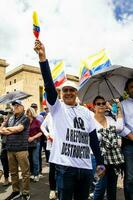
<point x="36" y="27"/>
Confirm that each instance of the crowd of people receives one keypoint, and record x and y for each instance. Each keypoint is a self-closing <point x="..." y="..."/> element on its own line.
<point x="81" y="146"/>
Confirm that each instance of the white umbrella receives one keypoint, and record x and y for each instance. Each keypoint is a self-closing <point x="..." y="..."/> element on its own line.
<point x="108" y="83"/>
<point x="12" y="96"/>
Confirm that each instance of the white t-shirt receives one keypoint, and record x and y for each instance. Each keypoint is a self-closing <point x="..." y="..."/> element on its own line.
<point x="71" y="127"/>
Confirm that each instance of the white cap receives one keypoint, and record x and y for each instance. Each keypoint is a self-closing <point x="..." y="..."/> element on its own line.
<point x="19" y="102"/>
<point x="69" y="84"/>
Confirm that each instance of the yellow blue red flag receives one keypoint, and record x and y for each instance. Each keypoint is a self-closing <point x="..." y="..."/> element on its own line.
<point x="84" y="73"/>
<point x="98" y="61"/>
<point x="58" y="73"/>
<point x="36" y="27"/>
<point x="93" y="64"/>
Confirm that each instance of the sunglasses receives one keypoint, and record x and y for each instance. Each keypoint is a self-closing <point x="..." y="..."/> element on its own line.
<point x="101" y="104"/>
<point x="65" y="90"/>
<point x="15" y="105"/>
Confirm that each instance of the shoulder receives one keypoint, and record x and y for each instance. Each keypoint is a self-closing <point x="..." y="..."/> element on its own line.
<point x="24" y="117"/>
<point x="126" y="102"/>
<point x="86" y="111"/>
<point x="40" y="118"/>
<point x="36" y="121"/>
<point x="57" y="105"/>
<point x="83" y="108"/>
<point x="110" y="120"/>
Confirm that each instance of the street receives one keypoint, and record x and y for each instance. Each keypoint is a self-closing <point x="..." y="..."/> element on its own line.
<point x="40" y="190"/>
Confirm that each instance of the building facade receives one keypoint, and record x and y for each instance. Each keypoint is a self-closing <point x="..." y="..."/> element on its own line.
<point x="28" y="79"/>
<point x="3" y="66"/>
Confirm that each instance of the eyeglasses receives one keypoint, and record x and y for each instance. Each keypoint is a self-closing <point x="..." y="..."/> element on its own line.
<point x="101" y="103"/>
<point x="65" y="90"/>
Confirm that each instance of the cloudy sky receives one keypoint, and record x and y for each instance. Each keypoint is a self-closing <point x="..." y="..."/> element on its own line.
<point x="70" y="29"/>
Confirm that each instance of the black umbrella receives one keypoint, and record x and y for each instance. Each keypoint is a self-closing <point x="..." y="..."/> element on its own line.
<point x="12" y="96"/>
<point x="108" y="83"/>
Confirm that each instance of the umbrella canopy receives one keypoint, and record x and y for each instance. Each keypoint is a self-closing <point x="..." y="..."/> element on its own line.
<point x="12" y="96"/>
<point x="108" y="83"/>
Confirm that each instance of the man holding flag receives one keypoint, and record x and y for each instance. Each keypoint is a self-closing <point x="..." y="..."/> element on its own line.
<point x="73" y="137"/>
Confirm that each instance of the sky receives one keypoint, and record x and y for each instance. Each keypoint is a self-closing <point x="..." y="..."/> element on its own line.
<point x="70" y="29"/>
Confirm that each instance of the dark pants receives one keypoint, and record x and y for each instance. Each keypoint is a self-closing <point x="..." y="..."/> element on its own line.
<point x="47" y="153"/>
<point x="4" y="161"/>
<point x="73" y="183"/>
<point x="109" y="182"/>
<point x="52" y="181"/>
<point x="128" y="176"/>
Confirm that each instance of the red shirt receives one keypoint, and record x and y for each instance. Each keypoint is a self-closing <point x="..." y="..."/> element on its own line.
<point x="34" y="127"/>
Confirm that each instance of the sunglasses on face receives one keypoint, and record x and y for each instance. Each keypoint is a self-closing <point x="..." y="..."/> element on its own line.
<point x="65" y="90"/>
<point x="101" y="103"/>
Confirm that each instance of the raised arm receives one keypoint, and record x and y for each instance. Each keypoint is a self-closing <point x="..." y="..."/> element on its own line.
<point x="46" y="73"/>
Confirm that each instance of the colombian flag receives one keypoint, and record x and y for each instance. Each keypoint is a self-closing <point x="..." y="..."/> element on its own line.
<point x="93" y="64"/>
<point x="97" y="62"/>
<point x="44" y="102"/>
<point x="58" y="73"/>
<point x="36" y="27"/>
<point x="84" y="73"/>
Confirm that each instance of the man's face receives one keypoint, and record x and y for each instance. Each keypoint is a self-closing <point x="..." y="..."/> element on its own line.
<point x="130" y="89"/>
<point x="69" y="95"/>
<point x="46" y="109"/>
<point x="17" y="109"/>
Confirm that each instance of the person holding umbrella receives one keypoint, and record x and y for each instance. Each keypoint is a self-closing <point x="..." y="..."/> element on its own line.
<point x="73" y="137"/>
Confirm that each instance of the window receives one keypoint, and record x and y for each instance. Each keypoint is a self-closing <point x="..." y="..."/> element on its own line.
<point x="10" y="82"/>
<point x="14" y="80"/>
<point x="14" y="90"/>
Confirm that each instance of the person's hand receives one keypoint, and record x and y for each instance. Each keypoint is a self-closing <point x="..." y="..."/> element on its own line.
<point x="4" y="131"/>
<point x="108" y="106"/>
<point x="100" y="170"/>
<point x="30" y="139"/>
<point x="40" y="50"/>
<point x="130" y="136"/>
<point x="50" y="138"/>
<point x="116" y="100"/>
